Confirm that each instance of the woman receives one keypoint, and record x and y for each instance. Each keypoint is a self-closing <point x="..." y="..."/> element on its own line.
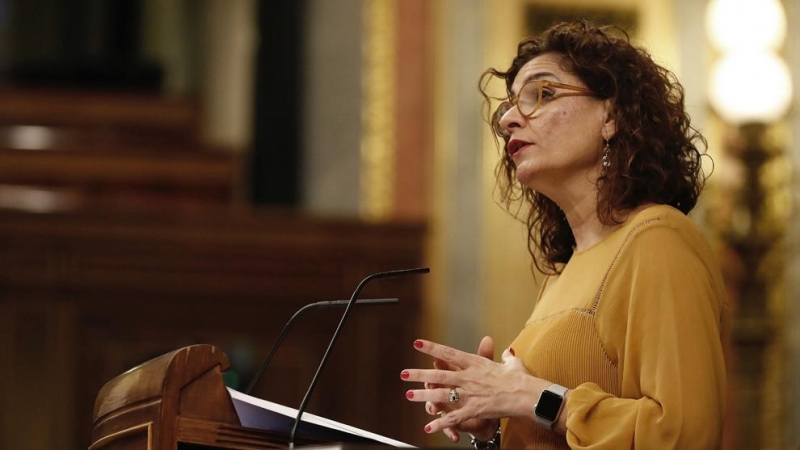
<point x="624" y="346"/>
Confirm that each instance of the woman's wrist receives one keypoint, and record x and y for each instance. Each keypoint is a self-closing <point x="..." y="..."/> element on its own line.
<point x="527" y="396"/>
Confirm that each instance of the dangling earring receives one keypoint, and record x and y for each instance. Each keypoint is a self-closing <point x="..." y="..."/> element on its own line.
<point x="606" y="157"/>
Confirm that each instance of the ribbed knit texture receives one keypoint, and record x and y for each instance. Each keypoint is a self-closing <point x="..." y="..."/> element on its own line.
<point x="633" y="327"/>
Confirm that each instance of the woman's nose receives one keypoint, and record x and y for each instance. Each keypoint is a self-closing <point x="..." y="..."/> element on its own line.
<point x="510" y="120"/>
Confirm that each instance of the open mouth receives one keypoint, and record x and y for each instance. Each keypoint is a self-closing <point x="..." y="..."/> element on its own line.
<point x="515" y="146"/>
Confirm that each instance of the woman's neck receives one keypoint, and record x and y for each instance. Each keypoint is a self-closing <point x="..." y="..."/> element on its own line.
<point x="586" y="226"/>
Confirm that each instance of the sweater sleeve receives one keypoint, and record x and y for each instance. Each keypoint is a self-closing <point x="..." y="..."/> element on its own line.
<point x="663" y="328"/>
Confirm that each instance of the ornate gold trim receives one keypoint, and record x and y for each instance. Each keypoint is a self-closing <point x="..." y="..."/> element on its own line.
<point x="377" y="110"/>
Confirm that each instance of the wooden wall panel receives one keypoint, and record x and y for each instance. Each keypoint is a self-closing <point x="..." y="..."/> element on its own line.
<point x="87" y="295"/>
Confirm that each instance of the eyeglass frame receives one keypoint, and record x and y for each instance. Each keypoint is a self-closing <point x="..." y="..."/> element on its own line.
<point x="513" y="102"/>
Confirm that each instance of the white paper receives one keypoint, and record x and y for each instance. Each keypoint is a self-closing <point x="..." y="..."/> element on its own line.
<point x="284" y="412"/>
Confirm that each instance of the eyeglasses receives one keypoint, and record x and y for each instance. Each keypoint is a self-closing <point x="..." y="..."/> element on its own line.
<point x="530" y="99"/>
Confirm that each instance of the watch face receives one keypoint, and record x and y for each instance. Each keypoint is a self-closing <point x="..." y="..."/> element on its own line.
<point x="548" y="406"/>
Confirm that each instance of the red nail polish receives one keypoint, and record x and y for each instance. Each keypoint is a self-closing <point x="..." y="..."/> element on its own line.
<point x="418" y="344"/>
<point x="511" y="350"/>
<point x="427" y="428"/>
<point x="404" y="375"/>
<point x="409" y="395"/>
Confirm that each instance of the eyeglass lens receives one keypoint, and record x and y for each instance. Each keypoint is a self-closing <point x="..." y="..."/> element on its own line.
<point x="529" y="98"/>
<point x="528" y="102"/>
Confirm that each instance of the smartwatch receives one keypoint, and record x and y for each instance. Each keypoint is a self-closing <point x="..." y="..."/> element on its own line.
<point x="549" y="406"/>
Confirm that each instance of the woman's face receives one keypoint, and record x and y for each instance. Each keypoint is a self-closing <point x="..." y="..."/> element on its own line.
<point x="559" y="148"/>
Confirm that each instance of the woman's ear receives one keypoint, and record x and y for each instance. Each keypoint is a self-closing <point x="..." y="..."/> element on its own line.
<point x="609" y="121"/>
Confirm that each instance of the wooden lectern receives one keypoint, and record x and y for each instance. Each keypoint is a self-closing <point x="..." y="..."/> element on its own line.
<point x="175" y="401"/>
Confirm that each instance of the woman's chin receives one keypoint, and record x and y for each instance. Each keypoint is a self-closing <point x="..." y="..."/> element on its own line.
<point x="525" y="176"/>
<point x="536" y="181"/>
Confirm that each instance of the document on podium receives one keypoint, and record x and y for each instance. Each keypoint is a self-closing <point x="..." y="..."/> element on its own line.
<point x="265" y="415"/>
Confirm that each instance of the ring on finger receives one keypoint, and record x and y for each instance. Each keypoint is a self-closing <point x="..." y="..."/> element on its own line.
<point x="452" y="396"/>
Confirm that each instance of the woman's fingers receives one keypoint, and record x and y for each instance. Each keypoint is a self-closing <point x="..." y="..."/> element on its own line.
<point x="444" y="365"/>
<point x="436" y="396"/>
<point x="446" y="385"/>
<point x="433" y="379"/>
<point x="451" y="434"/>
<point x="486" y="347"/>
<point x="446" y="421"/>
<point x="445" y="353"/>
<point x="435" y="409"/>
<point x="440" y="365"/>
<point x="512" y="362"/>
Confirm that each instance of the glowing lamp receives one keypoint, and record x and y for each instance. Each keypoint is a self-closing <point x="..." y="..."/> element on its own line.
<point x="751" y="87"/>
<point x="735" y="25"/>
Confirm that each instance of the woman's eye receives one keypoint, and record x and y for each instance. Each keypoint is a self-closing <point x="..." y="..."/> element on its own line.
<point x="528" y="103"/>
<point x="547" y="94"/>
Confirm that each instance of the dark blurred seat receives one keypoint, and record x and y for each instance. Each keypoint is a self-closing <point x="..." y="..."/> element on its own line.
<point x="63" y="149"/>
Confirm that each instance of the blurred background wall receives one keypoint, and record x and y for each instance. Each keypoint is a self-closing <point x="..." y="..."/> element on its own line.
<point x="186" y="171"/>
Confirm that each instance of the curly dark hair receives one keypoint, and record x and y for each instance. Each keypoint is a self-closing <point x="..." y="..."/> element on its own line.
<point x="655" y="158"/>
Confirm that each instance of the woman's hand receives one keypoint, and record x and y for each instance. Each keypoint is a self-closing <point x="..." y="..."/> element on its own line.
<point x="485" y="389"/>
<point x="482" y="429"/>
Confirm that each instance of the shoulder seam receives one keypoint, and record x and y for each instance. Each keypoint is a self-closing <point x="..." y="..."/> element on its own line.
<point x="611" y="266"/>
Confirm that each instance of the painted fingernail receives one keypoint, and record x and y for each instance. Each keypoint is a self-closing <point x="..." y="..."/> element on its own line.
<point x="404" y="374"/>
<point x="427" y="428"/>
<point x="418" y="344"/>
<point x="409" y="395"/>
<point x="511" y="350"/>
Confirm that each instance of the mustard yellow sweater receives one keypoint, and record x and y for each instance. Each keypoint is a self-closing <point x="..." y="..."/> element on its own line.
<point x="634" y="326"/>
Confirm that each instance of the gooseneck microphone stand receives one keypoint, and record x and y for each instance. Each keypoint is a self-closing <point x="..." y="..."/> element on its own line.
<point x="352" y="301"/>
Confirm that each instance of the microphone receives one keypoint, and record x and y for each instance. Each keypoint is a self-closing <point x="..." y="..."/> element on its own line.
<point x="350" y="303"/>
<point x="282" y="335"/>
